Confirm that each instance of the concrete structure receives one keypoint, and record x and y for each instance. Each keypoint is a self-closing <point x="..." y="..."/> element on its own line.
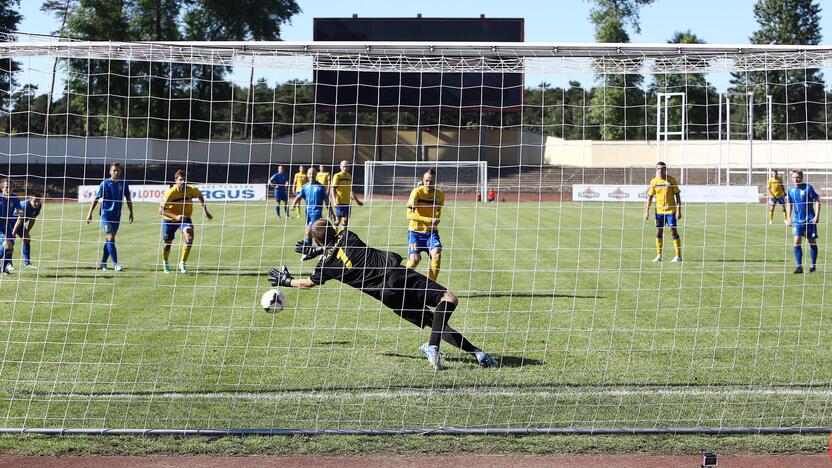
<point x="500" y="147"/>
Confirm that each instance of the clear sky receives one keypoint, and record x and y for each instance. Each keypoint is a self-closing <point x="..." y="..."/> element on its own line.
<point x="716" y="21"/>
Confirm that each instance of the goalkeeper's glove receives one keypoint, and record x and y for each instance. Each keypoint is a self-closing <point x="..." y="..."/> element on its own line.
<point x="281" y="277"/>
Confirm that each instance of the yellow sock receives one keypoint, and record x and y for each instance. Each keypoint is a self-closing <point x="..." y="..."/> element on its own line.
<point x="433" y="273"/>
<point x="411" y="263"/>
<point x="784" y="216"/>
<point x="659" y="243"/>
<point x="771" y="215"/>
<point x="166" y="254"/>
<point x="677" y="245"/>
<point x="186" y="250"/>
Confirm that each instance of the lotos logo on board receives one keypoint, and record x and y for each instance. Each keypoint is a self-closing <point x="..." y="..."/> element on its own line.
<point x="619" y="194"/>
<point x="588" y="193"/>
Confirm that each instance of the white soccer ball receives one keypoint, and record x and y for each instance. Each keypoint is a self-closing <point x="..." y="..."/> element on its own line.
<point x="273" y="301"/>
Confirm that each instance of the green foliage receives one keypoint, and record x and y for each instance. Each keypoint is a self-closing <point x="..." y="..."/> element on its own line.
<point x="9" y="19"/>
<point x="797" y="95"/>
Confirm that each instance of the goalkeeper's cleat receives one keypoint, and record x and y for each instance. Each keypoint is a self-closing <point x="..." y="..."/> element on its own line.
<point x="166" y="267"/>
<point x="798" y="270"/>
<point x="657" y="259"/>
<point x="676" y="260"/>
<point x="102" y="267"/>
<point x="433" y="355"/>
<point x="183" y="268"/>
<point x="812" y="269"/>
<point x="29" y="266"/>
<point x="485" y="359"/>
<point x="9" y="268"/>
<point x="117" y="267"/>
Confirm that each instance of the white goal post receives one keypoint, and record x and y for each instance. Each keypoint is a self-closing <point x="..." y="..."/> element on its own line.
<point x="399" y="177"/>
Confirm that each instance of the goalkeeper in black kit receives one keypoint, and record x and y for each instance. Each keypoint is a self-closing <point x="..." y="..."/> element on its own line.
<point x="380" y="274"/>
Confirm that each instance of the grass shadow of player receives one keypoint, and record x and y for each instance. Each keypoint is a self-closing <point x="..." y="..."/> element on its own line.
<point x="506" y="361"/>
<point x="542" y="295"/>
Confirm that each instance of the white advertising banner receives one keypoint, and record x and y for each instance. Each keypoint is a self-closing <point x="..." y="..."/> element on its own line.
<point x="690" y="193"/>
<point x="211" y="192"/>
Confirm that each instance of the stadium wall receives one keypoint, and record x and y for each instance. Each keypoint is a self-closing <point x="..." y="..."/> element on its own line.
<point x="500" y="147"/>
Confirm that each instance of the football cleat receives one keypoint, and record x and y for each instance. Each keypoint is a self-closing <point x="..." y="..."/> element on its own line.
<point x="183" y="268"/>
<point x="166" y="267"/>
<point x="676" y="260"/>
<point x="657" y="259"/>
<point x="485" y="359"/>
<point x="812" y="269"/>
<point x="9" y="268"/>
<point x="433" y="355"/>
<point x="29" y="266"/>
<point x="102" y="267"/>
<point x="798" y="270"/>
<point x="117" y="267"/>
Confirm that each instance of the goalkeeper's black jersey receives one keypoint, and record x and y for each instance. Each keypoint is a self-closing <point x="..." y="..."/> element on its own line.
<point x="352" y="262"/>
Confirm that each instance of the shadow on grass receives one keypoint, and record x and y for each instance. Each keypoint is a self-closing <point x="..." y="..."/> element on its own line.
<point x="511" y="294"/>
<point x="505" y="360"/>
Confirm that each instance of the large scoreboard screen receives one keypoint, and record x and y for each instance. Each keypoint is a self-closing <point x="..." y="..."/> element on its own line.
<point x="396" y="90"/>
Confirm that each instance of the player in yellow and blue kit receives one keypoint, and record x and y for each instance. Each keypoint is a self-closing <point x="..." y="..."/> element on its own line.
<point x="111" y="192"/>
<point x="9" y="207"/>
<point x="281" y="190"/>
<point x="341" y="193"/>
<point x="665" y="189"/>
<point x="777" y="194"/>
<point x="803" y="205"/>
<point x="300" y="179"/>
<point x="176" y="208"/>
<point x="27" y="214"/>
<point x="323" y="177"/>
<point x="316" y="197"/>
<point x="424" y="208"/>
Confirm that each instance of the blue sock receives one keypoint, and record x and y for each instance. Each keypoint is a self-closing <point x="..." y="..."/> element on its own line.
<point x="813" y="252"/>
<point x="287" y="211"/>
<point x="798" y="255"/>
<point x="2" y="258"/>
<point x="111" y="248"/>
<point x="106" y="254"/>
<point x="277" y="208"/>
<point x="27" y="254"/>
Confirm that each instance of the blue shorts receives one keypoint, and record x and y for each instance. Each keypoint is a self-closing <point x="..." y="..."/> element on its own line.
<point x="417" y="242"/>
<point x="110" y="226"/>
<point x="778" y="201"/>
<point x="169" y="228"/>
<point x="6" y="233"/>
<point x="668" y="220"/>
<point x="807" y="230"/>
<point x="311" y="217"/>
<point x="281" y="195"/>
<point x="342" y="211"/>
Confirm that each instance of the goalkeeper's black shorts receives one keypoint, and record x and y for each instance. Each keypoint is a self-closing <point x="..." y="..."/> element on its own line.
<point x="410" y="293"/>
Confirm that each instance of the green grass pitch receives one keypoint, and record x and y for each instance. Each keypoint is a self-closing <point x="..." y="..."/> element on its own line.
<point x="590" y="332"/>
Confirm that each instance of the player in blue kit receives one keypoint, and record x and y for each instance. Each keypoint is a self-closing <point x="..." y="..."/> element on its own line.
<point x="9" y="207"/>
<point x="26" y="216"/>
<point x="803" y="206"/>
<point x="316" y="197"/>
<point x="111" y="191"/>
<point x="281" y="190"/>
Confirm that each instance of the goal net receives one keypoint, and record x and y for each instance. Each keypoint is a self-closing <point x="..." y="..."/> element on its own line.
<point x="555" y="278"/>
<point x="460" y="179"/>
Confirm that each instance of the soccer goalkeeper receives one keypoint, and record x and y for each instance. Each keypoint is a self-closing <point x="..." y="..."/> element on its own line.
<point x="380" y="274"/>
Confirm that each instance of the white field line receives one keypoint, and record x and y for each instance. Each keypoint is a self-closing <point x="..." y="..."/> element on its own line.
<point x="434" y="393"/>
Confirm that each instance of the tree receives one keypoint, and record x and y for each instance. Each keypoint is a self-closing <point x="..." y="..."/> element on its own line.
<point x="798" y="94"/>
<point x="617" y="106"/>
<point x="702" y="98"/>
<point x="9" y="19"/>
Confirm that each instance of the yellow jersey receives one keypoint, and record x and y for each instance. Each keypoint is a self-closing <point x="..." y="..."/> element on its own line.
<point x="423" y="206"/>
<point x="179" y="202"/>
<point x="664" y="190"/>
<point x="342" y="187"/>
<point x="323" y="179"/>
<point x="776" y="188"/>
<point x="300" y="180"/>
